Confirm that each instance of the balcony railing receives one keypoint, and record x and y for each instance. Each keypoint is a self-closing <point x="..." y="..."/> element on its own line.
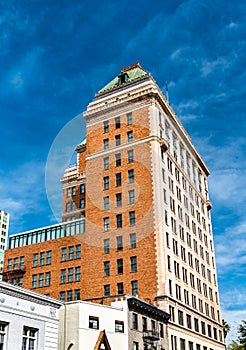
<point x="151" y="335"/>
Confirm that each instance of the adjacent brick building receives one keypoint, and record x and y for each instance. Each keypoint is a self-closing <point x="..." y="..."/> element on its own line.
<point x="136" y="216"/>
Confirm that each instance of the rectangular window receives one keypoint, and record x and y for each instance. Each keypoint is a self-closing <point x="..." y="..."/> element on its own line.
<point x="106" y="203"/>
<point x="117" y="122"/>
<point x="106" y="224"/>
<point x="35" y="260"/>
<point x="119" y="266"/>
<point x="71" y="253"/>
<point x="29" y="338"/>
<point x="133" y="260"/>
<point x="106" y="143"/>
<point x="118" y="199"/>
<point x="119" y="220"/>
<point x="63" y="276"/>
<point x="78" y="251"/>
<point x="105" y="126"/>
<point x="106" y="290"/>
<point x="41" y="280"/>
<point x="70" y="275"/>
<point x="181" y="317"/>
<point x="131" y="175"/>
<point x="48" y="257"/>
<point x="133" y="242"/>
<point x="82" y="188"/>
<point x="62" y="296"/>
<point x="132" y="218"/>
<point x="106" y="244"/>
<point x="3" y="333"/>
<point x="134" y="321"/>
<point x="117" y="140"/>
<point x="118" y="179"/>
<point x="77" y="273"/>
<point x="130" y="156"/>
<point x="106" y="182"/>
<point x="22" y="262"/>
<point x="130" y="136"/>
<point x="34" y="281"/>
<point x="77" y="294"/>
<point x="68" y="192"/>
<point x="69" y="295"/>
<point x="134" y="285"/>
<point x="106" y="268"/>
<point x="73" y="191"/>
<point x="119" y="242"/>
<point x="106" y="163"/>
<point x="135" y="345"/>
<point x="131" y="196"/>
<point x="93" y="322"/>
<point x="119" y="326"/>
<point x="144" y="324"/>
<point x="118" y="159"/>
<point x="129" y="118"/>
<point x="47" y="279"/>
<point x="82" y="203"/>
<point x="120" y="287"/>
<point x="63" y="254"/>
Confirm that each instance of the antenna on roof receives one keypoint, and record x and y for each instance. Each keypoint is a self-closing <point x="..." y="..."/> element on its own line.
<point x="167" y="95"/>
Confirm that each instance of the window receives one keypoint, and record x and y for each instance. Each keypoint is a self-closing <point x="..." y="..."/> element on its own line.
<point x="77" y="273"/>
<point x="106" y="182"/>
<point x="188" y="321"/>
<point x="130" y="156"/>
<point x="196" y="324"/>
<point x="119" y="220"/>
<point x="181" y="317"/>
<point x="131" y="175"/>
<point x="63" y="254"/>
<point x="70" y="275"/>
<point x="48" y="257"/>
<point x="131" y="195"/>
<point x="106" y="290"/>
<point x="135" y="345"/>
<point x="63" y="276"/>
<point x="47" y="279"/>
<point x="132" y="218"/>
<point x="70" y="253"/>
<point x="129" y="118"/>
<point x="69" y="295"/>
<point x="133" y="243"/>
<point x="182" y="344"/>
<point x="77" y="294"/>
<point x="130" y="136"/>
<point x="34" y="281"/>
<point x="105" y="126"/>
<point x="120" y="287"/>
<point x="106" y="203"/>
<point x="68" y="192"/>
<point x="118" y="159"/>
<point x="9" y="267"/>
<point x="106" y="268"/>
<point x="82" y="188"/>
<point x="119" y="266"/>
<point x="118" y="179"/>
<point x="106" y="224"/>
<point x="35" y="260"/>
<point x="82" y="203"/>
<point x="29" y="338"/>
<point x="93" y="322"/>
<point x="119" y="326"/>
<point x="78" y="251"/>
<point x="41" y="280"/>
<point x="119" y="243"/>
<point x="106" y="163"/>
<point x="73" y="191"/>
<point x="133" y="260"/>
<point x="22" y="262"/>
<point x="106" y="143"/>
<point x="144" y="324"/>
<point x="106" y="244"/>
<point x="134" y="321"/>
<point x="134" y="285"/>
<point x="117" y="122"/>
<point x="3" y="332"/>
<point x="117" y="140"/>
<point x="62" y="296"/>
<point x="118" y="199"/>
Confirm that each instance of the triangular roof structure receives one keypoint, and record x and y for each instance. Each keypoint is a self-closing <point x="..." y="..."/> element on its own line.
<point x="102" y="339"/>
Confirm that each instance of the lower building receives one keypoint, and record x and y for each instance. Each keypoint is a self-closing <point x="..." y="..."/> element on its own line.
<point x="28" y="320"/>
<point x="4" y="225"/>
<point x="128" y="323"/>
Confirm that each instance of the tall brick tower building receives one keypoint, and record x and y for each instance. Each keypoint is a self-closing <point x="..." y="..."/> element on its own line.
<point x="139" y="207"/>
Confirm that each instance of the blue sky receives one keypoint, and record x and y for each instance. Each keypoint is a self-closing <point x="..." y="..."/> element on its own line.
<point x="55" y="55"/>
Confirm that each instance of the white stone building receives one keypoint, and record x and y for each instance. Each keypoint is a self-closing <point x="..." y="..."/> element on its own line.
<point x="28" y="320"/>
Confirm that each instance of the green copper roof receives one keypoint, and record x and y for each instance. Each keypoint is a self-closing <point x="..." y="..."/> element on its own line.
<point x="126" y="75"/>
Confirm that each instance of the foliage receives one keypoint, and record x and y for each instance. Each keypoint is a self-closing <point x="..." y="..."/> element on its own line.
<point x="242" y="334"/>
<point x="226" y="328"/>
<point x="234" y="346"/>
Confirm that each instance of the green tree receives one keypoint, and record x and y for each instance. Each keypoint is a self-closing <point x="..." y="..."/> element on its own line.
<point x="242" y="334"/>
<point x="234" y="346"/>
<point x="226" y="328"/>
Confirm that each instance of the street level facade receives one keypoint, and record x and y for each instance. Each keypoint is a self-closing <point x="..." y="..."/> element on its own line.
<point x="136" y="216"/>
